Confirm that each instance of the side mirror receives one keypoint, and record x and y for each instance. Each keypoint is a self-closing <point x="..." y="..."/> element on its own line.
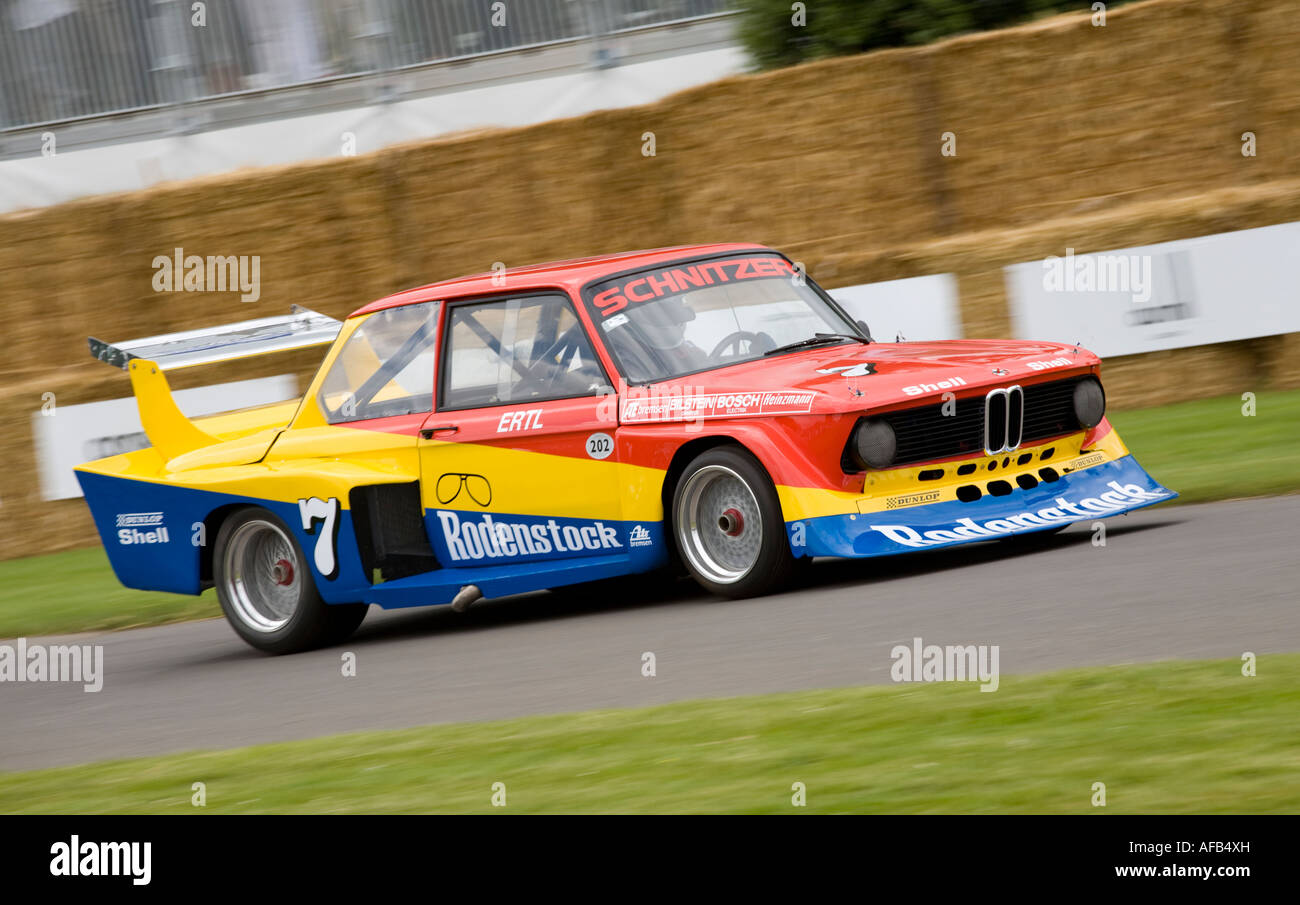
<point x="866" y="331"/>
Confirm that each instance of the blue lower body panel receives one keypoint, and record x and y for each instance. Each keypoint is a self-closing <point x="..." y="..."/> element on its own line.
<point x="1098" y="492"/>
<point x="441" y="585"/>
<point x="154" y="534"/>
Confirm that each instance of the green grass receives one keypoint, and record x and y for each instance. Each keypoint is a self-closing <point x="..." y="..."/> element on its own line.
<point x="1173" y="737"/>
<point x="76" y="591"/>
<point x="1204" y="449"/>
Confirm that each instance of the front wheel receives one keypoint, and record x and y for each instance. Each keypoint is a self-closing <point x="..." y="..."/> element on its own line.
<point x="728" y="527"/>
<point x="266" y="589"/>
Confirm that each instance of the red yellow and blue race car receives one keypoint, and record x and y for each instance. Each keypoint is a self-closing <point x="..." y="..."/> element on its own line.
<point x="548" y="425"/>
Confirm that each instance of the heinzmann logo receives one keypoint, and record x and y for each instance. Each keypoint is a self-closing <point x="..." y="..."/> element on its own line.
<point x="950" y="663"/>
<point x="23" y="662"/>
<point x="215" y="273"/>
<point x="103" y="859"/>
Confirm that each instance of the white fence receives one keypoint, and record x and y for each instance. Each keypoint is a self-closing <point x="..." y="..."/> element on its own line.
<point x="64" y="60"/>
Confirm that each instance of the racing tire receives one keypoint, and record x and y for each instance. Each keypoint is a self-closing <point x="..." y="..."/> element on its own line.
<point x="266" y="589"/>
<point x="727" y="525"/>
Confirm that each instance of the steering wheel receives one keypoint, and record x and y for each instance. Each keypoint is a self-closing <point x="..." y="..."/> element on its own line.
<point x="735" y="338"/>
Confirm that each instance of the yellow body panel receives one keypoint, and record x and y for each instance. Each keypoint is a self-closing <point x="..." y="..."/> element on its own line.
<point x="898" y="488"/>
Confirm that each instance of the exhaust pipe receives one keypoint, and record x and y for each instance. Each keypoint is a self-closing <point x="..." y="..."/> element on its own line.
<point x="464" y="597"/>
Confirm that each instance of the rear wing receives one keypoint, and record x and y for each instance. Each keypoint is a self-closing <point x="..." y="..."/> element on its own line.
<point x="169" y="351"/>
<point x="168" y="430"/>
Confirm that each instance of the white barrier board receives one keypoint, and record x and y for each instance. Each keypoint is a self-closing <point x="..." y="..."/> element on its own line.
<point x="1191" y="292"/>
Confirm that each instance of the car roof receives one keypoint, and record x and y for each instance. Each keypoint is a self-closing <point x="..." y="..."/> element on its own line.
<point x="572" y="274"/>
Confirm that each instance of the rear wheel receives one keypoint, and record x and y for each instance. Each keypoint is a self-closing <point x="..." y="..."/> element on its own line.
<point x="266" y="589"/>
<point x="728" y="527"/>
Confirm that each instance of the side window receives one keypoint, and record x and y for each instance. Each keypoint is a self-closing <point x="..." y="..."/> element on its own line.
<point x="385" y="368"/>
<point x="515" y="350"/>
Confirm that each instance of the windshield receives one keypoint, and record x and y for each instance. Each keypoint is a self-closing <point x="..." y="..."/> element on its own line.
<point x="692" y="317"/>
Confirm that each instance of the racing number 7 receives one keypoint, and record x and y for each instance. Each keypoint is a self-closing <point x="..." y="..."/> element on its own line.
<point x="326" y="511"/>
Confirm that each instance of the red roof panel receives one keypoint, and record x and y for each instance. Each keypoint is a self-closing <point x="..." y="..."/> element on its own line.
<point x="572" y="274"/>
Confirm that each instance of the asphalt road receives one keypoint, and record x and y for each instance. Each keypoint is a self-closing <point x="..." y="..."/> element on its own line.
<point x="1173" y="582"/>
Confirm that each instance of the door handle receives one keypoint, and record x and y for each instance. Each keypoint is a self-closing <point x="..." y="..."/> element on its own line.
<point x="428" y="432"/>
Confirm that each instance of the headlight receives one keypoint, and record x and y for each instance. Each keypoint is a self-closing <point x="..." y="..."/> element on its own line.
<point x="875" y="443"/>
<point x="1089" y="402"/>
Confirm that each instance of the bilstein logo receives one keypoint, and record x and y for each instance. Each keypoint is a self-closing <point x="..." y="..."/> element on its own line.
<point x="488" y="538"/>
<point x="1119" y="497"/>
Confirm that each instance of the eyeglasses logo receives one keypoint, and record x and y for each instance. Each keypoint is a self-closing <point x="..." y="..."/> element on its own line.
<point x="476" y="486"/>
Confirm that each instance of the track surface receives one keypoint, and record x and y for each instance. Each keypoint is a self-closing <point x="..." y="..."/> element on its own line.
<point x="1174" y="582"/>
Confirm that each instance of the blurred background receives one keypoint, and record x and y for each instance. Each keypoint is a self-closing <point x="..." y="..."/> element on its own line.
<point x="922" y="159"/>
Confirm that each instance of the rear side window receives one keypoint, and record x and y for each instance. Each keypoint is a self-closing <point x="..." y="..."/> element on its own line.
<point x="385" y="368"/>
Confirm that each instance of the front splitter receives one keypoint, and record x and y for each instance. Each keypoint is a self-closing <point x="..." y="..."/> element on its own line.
<point x="1104" y="490"/>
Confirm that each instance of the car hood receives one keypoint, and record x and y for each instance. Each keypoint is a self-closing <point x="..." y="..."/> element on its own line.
<point x="856" y="377"/>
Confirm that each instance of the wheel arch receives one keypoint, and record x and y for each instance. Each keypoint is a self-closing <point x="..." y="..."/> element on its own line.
<point x="212" y="523"/>
<point x="770" y="569"/>
<point x="754" y="442"/>
<point x="683" y="456"/>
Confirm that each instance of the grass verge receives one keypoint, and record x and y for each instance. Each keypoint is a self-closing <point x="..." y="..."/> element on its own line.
<point x="1205" y="449"/>
<point x="76" y="591"/>
<point x="1172" y="737"/>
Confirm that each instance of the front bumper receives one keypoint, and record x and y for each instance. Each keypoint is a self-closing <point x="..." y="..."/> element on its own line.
<point x="1100" y="491"/>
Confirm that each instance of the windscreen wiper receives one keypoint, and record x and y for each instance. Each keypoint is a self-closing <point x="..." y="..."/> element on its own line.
<point x="818" y="339"/>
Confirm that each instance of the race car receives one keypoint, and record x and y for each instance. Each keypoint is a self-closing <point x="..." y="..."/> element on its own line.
<point x="709" y="406"/>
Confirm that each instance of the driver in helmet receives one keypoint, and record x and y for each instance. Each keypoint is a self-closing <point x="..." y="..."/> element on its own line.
<point x="663" y="326"/>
